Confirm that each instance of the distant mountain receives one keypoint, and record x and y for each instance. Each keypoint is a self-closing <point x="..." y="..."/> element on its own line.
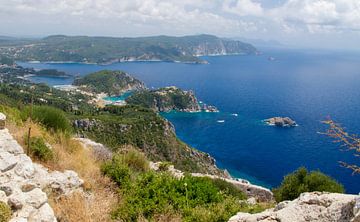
<point x="104" y="50"/>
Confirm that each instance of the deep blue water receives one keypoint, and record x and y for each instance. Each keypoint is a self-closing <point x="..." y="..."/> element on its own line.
<point x="306" y="85"/>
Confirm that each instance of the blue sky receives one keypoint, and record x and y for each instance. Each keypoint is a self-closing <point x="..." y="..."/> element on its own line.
<point x="303" y="23"/>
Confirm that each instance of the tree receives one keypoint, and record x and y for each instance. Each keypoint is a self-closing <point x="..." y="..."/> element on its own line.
<point x="301" y="181"/>
<point x="349" y="142"/>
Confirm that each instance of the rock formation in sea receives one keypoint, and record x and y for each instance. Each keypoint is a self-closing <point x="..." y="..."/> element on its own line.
<point x="280" y="122"/>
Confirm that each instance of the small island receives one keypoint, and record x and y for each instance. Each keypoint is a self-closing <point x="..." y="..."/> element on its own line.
<point x="280" y="122"/>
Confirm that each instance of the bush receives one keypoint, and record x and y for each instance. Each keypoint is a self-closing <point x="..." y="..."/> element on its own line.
<point x="303" y="181"/>
<point x="229" y="188"/>
<point x="152" y="194"/>
<point x="135" y="160"/>
<point x="40" y="150"/>
<point x="51" y="118"/>
<point x="117" y="171"/>
<point x="5" y="212"/>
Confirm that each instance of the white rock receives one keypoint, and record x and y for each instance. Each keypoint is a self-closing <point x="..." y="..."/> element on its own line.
<point x="3" y="197"/>
<point x="44" y="214"/>
<point x="35" y="198"/>
<point x="315" y="206"/>
<point x="16" y="201"/>
<point x="7" y="161"/>
<point x="2" y="121"/>
<point x="25" y="167"/>
<point x="251" y="201"/>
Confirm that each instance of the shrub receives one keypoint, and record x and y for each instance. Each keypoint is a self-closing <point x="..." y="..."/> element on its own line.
<point x="135" y="160"/>
<point x="51" y="118"/>
<point x="5" y="212"/>
<point x="229" y="188"/>
<point x="40" y="150"/>
<point x="164" y="166"/>
<point x="117" y="171"/>
<point x="303" y="181"/>
<point x="152" y="194"/>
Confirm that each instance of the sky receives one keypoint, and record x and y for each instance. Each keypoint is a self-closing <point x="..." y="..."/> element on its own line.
<point x="302" y="23"/>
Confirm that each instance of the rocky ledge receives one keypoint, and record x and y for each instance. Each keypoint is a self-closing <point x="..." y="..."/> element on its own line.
<point x="22" y="183"/>
<point x="259" y="193"/>
<point x="280" y="122"/>
<point x="315" y="206"/>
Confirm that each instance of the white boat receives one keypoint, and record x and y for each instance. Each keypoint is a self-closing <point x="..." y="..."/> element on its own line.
<point x="234" y="114"/>
<point x="221" y="121"/>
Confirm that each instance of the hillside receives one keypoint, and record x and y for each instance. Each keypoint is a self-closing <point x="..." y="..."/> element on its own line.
<point x="104" y="50"/>
<point x="109" y="82"/>
<point x="166" y="99"/>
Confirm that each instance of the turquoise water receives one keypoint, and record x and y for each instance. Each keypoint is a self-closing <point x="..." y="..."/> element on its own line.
<point x="306" y="85"/>
<point x="121" y="97"/>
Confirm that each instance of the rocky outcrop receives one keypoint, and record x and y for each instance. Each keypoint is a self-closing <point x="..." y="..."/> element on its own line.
<point x="100" y="152"/>
<point x="22" y="183"/>
<point x="2" y="121"/>
<point x="259" y="193"/>
<point x="280" y="122"/>
<point x="315" y="206"/>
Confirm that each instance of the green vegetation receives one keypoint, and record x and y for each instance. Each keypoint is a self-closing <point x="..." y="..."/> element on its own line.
<point x="42" y="94"/>
<point x="5" y="212"/>
<point x="147" y="194"/>
<point x="40" y="150"/>
<point x="115" y="126"/>
<point x="303" y="181"/>
<point x="52" y="118"/>
<point x="107" y="49"/>
<point x="110" y="82"/>
<point x="165" y="99"/>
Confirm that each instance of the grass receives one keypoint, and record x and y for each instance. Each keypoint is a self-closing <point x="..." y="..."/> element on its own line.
<point x="69" y="154"/>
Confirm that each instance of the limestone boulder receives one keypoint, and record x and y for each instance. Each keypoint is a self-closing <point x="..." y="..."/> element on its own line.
<point x="315" y="206"/>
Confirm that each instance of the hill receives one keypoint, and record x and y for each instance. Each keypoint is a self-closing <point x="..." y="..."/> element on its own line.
<point x="105" y="50"/>
<point x="109" y="82"/>
<point x="166" y="99"/>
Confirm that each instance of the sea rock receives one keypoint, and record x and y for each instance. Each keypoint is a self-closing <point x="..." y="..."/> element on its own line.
<point x="281" y="122"/>
<point x="315" y="206"/>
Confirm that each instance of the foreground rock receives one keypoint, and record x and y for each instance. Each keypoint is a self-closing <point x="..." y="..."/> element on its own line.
<point x="260" y="194"/>
<point x="22" y="183"/>
<point x="281" y="122"/>
<point x="315" y="206"/>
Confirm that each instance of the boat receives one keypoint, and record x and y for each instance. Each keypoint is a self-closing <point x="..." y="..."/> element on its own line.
<point x="234" y="114"/>
<point x="221" y="121"/>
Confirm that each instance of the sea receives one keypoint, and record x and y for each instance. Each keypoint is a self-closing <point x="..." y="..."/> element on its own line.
<point x="307" y="85"/>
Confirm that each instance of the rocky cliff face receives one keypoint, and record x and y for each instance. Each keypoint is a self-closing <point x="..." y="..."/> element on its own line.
<point x="22" y="183"/>
<point x="315" y="206"/>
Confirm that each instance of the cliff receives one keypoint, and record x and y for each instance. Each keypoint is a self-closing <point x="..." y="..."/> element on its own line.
<point x="116" y="126"/>
<point x="166" y="99"/>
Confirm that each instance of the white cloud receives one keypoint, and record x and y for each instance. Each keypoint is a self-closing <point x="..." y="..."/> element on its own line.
<point x="243" y="7"/>
<point x="247" y="18"/>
